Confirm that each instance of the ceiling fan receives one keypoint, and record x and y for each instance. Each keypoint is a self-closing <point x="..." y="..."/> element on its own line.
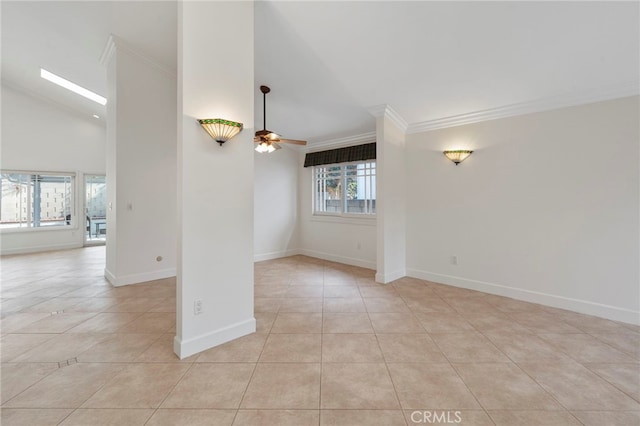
<point x="267" y="140"/>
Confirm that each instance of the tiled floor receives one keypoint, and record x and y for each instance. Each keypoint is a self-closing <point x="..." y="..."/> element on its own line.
<point x="332" y="348"/>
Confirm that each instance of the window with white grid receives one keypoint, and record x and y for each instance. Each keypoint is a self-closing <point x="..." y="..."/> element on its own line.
<point x="345" y="189"/>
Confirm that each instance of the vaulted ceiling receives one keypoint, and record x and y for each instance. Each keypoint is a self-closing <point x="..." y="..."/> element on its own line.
<point x="327" y="63"/>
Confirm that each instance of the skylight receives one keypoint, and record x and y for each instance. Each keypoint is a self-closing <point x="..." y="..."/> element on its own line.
<point x="72" y="86"/>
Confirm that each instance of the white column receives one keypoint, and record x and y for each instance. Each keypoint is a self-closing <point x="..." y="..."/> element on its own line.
<point x="215" y="183"/>
<point x="141" y="167"/>
<point x="391" y="194"/>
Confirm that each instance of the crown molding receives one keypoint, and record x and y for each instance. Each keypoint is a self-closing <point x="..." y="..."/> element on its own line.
<point x="387" y="111"/>
<point x="115" y="43"/>
<point x="342" y="142"/>
<point x="529" y="107"/>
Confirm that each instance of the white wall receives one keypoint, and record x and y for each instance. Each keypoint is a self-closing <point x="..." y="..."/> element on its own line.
<point x="141" y="172"/>
<point x="546" y="209"/>
<point x="275" y="204"/>
<point x="215" y="183"/>
<point x="41" y="136"/>
<point x="391" y="204"/>
<point x="350" y="241"/>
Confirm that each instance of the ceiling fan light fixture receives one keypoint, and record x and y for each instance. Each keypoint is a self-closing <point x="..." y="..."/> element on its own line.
<point x="265" y="147"/>
<point x="219" y="129"/>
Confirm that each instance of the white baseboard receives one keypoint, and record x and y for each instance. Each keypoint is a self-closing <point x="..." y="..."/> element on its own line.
<point x="138" y="278"/>
<point x="275" y="255"/>
<point x="340" y="259"/>
<point x="392" y="276"/>
<point x="582" y="306"/>
<point x="38" y="249"/>
<point x="188" y="347"/>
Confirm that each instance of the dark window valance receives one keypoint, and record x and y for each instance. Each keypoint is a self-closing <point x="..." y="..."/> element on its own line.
<point x="341" y="155"/>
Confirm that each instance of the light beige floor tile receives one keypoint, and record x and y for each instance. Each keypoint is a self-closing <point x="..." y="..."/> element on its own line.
<point x="292" y="348"/>
<point x="67" y="387"/>
<point x="346" y="323"/>
<point x="586" y="348"/>
<point x="56" y="323"/>
<point x="107" y="417"/>
<point x="386" y="304"/>
<point x="18" y="320"/>
<point x="56" y="304"/>
<point x="18" y="377"/>
<point x="339" y="304"/>
<point x="118" y="348"/>
<point x="448" y="416"/>
<point x="409" y="348"/>
<point x="468" y="347"/>
<point x="395" y="323"/>
<point x="577" y="388"/>
<point x="105" y="322"/>
<point x="542" y="322"/>
<point x="504" y="386"/>
<point x="601" y="418"/>
<point x="277" y="417"/>
<point x="443" y="322"/>
<point x="470" y="304"/>
<point x="150" y="322"/>
<point x="378" y="290"/>
<point x="625" y="377"/>
<point x="430" y="386"/>
<point x="61" y="347"/>
<point x="628" y="343"/>
<point x="493" y="322"/>
<point x="162" y="351"/>
<point x="345" y="348"/>
<point x="32" y="417"/>
<point x="270" y="291"/>
<point x="357" y="386"/>
<point x="167" y="305"/>
<point x="264" y="321"/>
<point x="211" y="386"/>
<point x="290" y="323"/>
<point x="429" y="304"/>
<point x="591" y="324"/>
<point x="341" y="291"/>
<point x="13" y="345"/>
<point x="362" y="418"/>
<point x="138" y="386"/>
<point x="243" y="349"/>
<point x="505" y="304"/>
<point x="95" y="304"/>
<point x="267" y="304"/>
<point x="138" y="304"/>
<point x="524" y="347"/>
<point x="533" y="418"/>
<point x="304" y="291"/>
<point x="284" y="386"/>
<point x="301" y="304"/>
<point x="199" y="417"/>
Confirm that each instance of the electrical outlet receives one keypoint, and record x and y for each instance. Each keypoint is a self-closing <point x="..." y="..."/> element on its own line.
<point x="454" y="260"/>
<point x="197" y="307"/>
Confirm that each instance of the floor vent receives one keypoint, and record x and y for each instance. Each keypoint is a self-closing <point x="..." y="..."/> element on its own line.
<point x="67" y="362"/>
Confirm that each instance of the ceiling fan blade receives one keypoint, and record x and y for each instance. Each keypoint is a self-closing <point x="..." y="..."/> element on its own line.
<point x="276" y="145"/>
<point x="293" y="141"/>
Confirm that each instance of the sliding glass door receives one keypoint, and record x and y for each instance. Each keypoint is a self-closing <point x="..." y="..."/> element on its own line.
<point x="95" y="222"/>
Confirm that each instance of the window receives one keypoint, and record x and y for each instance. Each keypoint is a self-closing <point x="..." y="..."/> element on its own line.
<point x="24" y="195"/>
<point x="345" y="189"/>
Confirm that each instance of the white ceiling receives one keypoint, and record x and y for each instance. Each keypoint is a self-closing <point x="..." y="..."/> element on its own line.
<point x="328" y="62"/>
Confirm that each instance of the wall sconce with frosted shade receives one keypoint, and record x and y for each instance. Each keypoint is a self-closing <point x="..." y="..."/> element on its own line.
<point x="458" y="155"/>
<point x="219" y="129"/>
